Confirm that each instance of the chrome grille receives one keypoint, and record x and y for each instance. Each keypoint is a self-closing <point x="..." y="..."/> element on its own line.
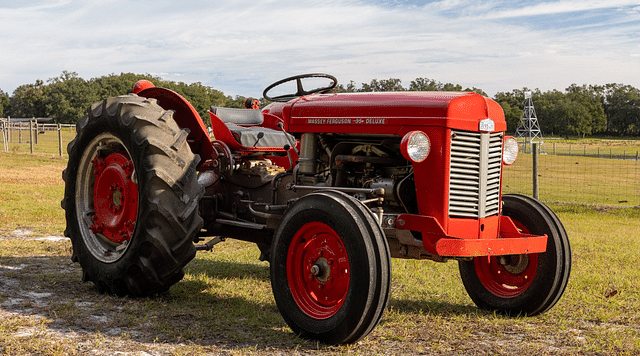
<point x="474" y="174"/>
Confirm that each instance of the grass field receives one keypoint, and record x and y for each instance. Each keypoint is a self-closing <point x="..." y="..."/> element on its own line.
<point x="224" y="304"/>
<point x="31" y="189"/>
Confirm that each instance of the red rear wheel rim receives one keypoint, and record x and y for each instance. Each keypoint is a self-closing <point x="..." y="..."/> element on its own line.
<point x="115" y="197"/>
<point x="318" y="270"/>
<point x="507" y="276"/>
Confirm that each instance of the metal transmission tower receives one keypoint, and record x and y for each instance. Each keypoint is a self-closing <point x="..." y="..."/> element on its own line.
<point x="528" y="127"/>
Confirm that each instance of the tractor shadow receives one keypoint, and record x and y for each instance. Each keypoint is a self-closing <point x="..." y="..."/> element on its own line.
<point x="229" y="269"/>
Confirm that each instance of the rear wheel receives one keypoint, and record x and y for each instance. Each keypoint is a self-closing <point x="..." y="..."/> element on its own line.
<point x="131" y="197"/>
<point x="522" y="284"/>
<point x="330" y="268"/>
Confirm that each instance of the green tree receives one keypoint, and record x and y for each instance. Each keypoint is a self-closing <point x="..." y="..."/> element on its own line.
<point x="118" y="84"/>
<point x="349" y="88"/>
<point x="425" y="84"/>
<point x="395" y="84"/>
<point x="586" y="114"/>
<point x="391" y="84"/>
<point x="550" y="111"/>
<point x="27" y="101"/>
<point x="622" y="107"/>
<point x="4" y="102"/>
<point x="67" y="97"/>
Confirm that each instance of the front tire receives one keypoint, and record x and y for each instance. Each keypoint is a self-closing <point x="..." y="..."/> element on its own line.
<point x="131" y="197"/>
<point x="330" y="269"/>
<point x="522" y="284"/>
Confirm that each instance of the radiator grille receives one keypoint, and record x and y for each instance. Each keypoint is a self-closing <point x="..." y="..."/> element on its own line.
<point x="474" y="174"/>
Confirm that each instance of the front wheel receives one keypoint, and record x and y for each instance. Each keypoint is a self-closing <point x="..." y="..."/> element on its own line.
<point x="131" y="197"/>
<point x="522" y="284"/>
<point x="330" y="268"/>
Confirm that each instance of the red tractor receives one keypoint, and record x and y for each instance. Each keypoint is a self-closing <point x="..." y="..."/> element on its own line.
<point x="329" y="186"/>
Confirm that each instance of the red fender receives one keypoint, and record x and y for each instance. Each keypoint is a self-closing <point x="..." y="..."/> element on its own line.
<point x="185" y="116"/>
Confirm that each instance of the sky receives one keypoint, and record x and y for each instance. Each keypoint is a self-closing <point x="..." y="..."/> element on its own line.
<point x="240" y="47"/>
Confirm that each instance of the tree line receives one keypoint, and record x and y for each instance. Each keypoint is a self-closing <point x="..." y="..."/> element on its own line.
<point x="612" y="109"/>
<point x="66" y="98"/>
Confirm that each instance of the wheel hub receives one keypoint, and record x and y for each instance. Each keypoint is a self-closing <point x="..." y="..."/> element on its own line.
<point x="514" y="264"/>
<point x="115" y="198"/>
<point x="321" y="270"/>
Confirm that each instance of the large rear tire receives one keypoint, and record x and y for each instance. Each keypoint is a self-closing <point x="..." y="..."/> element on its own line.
<point x="522" y="284"/>
<point x="330" y="268"/>
<point x="131" y="197"/>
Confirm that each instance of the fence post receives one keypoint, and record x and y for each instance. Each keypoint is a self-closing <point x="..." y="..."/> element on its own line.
<point x="20" y="134"/>
<point x="534" y="150"/>
<point x="4" y="136"/>
<point x="35" y="133"/>
<point x="60" y="139"/>
<point x="31" y="135"/>
<point x="9" y="133"/>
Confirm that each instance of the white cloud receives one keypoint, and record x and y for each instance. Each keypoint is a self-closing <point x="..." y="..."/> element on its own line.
<point x="563" y="7"/>
<point x="239" y="47"/>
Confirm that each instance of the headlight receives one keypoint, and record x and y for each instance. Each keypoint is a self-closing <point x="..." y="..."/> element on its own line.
<point x="415" y="146"/>
<point x="510" y="150"/>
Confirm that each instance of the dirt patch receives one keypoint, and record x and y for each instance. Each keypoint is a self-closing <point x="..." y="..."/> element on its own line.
<point x="45" y="308"/>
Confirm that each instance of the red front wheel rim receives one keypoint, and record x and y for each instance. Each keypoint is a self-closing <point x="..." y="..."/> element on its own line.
<point x="318" y="270"/>
<point x="507" y="276"/>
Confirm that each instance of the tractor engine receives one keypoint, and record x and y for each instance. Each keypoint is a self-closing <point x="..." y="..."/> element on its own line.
<point x="371" y="164"/>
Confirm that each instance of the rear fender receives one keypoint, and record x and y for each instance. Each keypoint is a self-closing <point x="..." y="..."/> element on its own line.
<point x="187" y="118"/>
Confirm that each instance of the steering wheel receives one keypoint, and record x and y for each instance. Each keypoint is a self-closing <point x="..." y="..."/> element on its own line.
<point x="300" y="90"/>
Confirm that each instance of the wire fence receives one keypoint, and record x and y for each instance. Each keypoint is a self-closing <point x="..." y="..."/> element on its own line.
<point x="611" y="149"/>
<point x="36" y="138"/>
<point x="574" y="173"/>
<point x="567" y="173"/>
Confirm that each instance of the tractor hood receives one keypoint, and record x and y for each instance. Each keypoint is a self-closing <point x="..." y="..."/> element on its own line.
<point x="393" y="112"/>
